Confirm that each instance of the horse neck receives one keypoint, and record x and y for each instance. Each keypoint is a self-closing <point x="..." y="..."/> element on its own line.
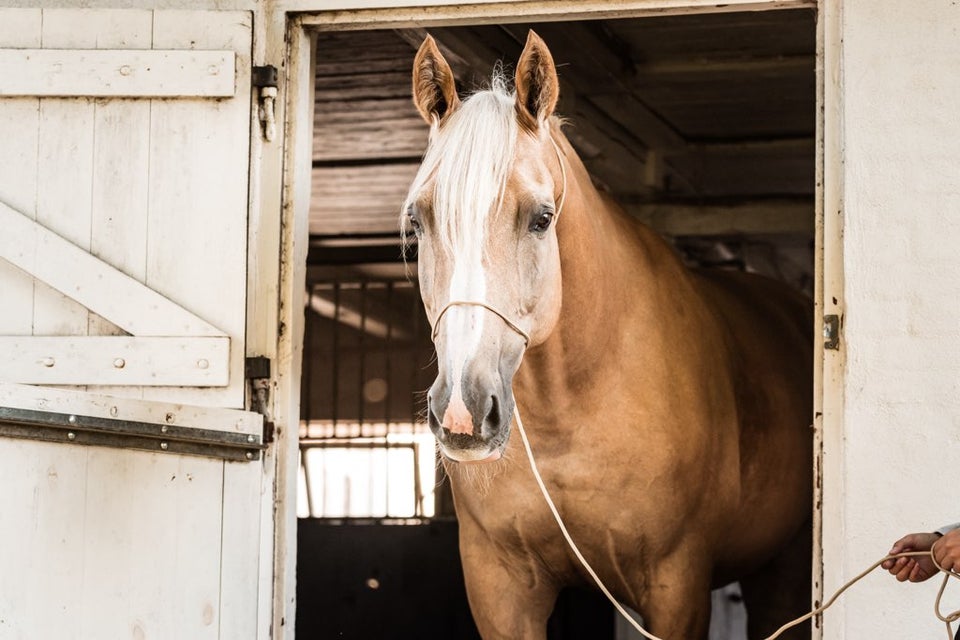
<point x="608" y="265"/>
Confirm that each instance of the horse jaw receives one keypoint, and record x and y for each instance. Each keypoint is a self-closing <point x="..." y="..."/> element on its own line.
<point x="468" y="457"/>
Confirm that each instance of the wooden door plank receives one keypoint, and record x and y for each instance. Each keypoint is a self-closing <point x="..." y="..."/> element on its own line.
<point x="120" y="160"/>
<point x="152" y="552"/>
<point x="116" y="360"/>
<point x="240" y="571"/>
<point x="123" y="73"/>
<point x="44" y="504"/>
<point x="120" y="187"/>
<point x="63" y="205"/>
<point x="198" y="182"/>
<point x="19" y="130"/>
<point x="21" y="27"/>
<point x="19" y="126"/>
<point x="98" y="28"/>
<point x="92" y="282"/>
<point x="95" y="405"/>
<point x="98" y="565"/>
<point x="64" y="163"/>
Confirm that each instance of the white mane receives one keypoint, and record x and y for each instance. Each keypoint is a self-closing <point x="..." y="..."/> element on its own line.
<point x="470" y="160"/>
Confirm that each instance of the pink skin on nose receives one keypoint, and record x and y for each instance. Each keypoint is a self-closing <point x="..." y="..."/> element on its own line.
<point x="457" y="417"/>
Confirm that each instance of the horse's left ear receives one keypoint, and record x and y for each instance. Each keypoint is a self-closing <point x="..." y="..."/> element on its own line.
<point x="434" y="89"/>
<point x="536" y="82"/>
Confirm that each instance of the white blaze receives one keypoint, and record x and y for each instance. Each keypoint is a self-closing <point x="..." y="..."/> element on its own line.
<point x="464" y="324"/>
<point x="468" y="161"/>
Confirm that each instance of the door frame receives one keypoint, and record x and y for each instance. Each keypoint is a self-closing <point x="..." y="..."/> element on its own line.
<point x="288" y="36"/>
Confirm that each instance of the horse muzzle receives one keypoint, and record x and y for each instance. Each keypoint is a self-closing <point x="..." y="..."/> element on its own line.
<point x="470" y="412"/>
<point x="473" y="426"/>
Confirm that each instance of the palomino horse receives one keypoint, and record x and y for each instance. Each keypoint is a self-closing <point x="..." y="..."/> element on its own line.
<point x="668" y="410"/>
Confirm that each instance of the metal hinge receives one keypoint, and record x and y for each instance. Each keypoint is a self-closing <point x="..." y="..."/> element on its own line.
<point x="256" y="368"/>
<point x="831" y="332"/>
<point x="70" y="428"/>
<point x="257" y="372"/>
<point x="266" y="79"/>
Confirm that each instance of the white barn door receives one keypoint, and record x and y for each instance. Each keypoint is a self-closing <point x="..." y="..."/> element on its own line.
<point x="131" y="475"/>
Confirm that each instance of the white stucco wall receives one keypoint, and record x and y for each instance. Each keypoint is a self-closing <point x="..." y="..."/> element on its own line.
<point x="899" y="451"/>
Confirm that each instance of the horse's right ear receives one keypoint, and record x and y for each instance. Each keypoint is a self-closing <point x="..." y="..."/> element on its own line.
<point x="434" y="89"/>
<point x="537" y="85"/>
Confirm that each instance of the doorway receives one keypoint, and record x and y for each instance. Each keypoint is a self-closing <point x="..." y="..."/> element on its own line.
<point x="702" y="125"/>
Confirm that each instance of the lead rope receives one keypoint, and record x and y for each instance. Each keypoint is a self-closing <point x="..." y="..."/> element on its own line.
<point x="947" y="619"/>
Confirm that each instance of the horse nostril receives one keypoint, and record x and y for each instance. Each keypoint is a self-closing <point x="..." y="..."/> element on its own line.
<point x="432" y="419"/>
<point x="493" y="416"/>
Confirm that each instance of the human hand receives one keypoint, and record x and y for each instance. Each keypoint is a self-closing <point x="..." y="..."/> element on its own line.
<point x="917" y="568"/>
<point x="946" y="551"/>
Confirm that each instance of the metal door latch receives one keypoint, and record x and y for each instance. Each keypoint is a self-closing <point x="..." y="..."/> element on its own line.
<point x="265" y="78"/>
<point x="831" y="332"/>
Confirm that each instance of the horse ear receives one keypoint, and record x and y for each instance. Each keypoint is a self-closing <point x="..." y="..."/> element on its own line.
<point x="434" y="89"/>
<point x="537" y="84"/>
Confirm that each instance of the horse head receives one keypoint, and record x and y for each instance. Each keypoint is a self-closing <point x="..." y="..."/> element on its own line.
<point x="484" y="206"/>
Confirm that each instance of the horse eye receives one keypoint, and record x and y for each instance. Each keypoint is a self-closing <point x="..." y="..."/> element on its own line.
<point x="414" y="220"/>
<point x="541" y="222"/>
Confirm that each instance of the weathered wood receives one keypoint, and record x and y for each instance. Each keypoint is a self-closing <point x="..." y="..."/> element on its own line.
<point x="761" y="217"/>
<point x="68" y="401"/>
<point x="92" y="282"/>
<point x="125" y="552"/>
<point x="351" y="15"/>
<point x="241" y="525"/>
<point x="116" y="360"/>
<point x="780" y="65"/>
<point x="749" y="34"/>
<point x="97" y="29"/>
<point x="199" y="166"/>
<point x="379" y="128"/>
<point x="21" y="28"/>
<point x="360" y="86"/>
<point x="118" y="210"/>
<point x="62" y="203"/>
<point x="610" y="152"/>
<point x="600" y="71"/>
<point x="99" y="174"/>
<point x="19" y="129"/>
<point x="46" y="507"/>
<point x="116" y="73"/>
<point x="365" y="199"/>
<point x="750" y="174"/>
<point x="672" y="84"/>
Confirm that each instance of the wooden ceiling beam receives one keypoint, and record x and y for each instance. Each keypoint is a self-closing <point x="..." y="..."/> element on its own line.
<point x="609" y="151"/>
<point x="792" y="217"/>
<point x="603" y="72"/>
<point x="792" y="144"/>
<point x="792" y="64"/>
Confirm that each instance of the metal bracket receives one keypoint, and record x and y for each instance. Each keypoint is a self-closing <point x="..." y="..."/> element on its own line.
<point x="48" y="426"/>
<point x="831" y="332"/>
<point x="257" y="372"/>
<point x="256" y="368"/>
<point x="266" y="78"/>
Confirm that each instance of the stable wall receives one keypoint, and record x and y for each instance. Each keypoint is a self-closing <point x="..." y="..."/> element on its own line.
<point x="891" y="455"/>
